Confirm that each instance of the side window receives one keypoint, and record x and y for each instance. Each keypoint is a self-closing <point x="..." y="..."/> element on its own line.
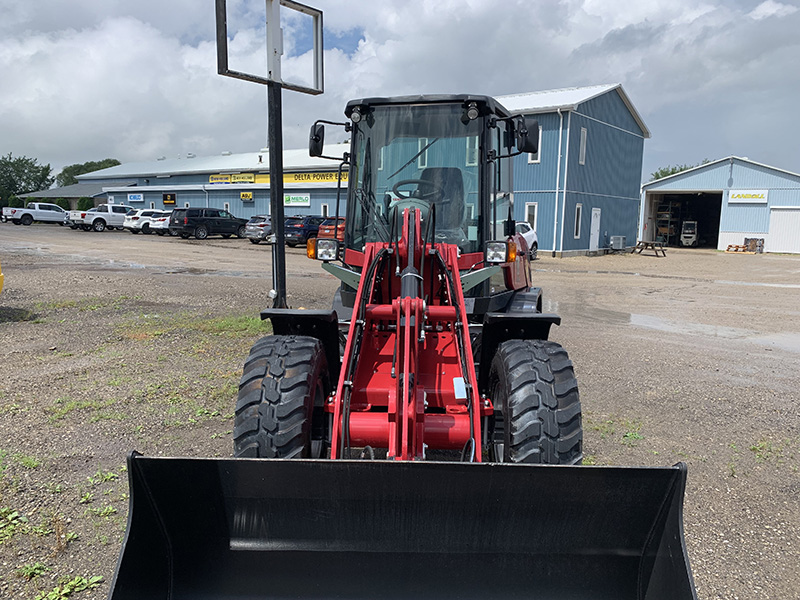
<point x="578" y="215"/>
<point x="582" y="154"/>
<point x="119" y="209"/>
<point x="531" y="210"/>
<point x="534" y="158"/>
<point x="224" y="214"/>
<point x="102" y="209"/>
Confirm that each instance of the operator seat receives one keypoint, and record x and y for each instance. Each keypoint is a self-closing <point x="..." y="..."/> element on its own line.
<point x="450" y="205"/>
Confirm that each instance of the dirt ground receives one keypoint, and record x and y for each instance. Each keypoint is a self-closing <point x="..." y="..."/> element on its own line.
<point x="111" y="342"/>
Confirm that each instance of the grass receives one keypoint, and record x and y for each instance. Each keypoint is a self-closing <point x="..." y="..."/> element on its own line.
<point x="11" y="522"/>
<point x="148" y="327"/>
<point x="68" y="587"/>
<point x="63" y="407"/>
<point x="28" y="462"/>
<point x="29" y="572"/>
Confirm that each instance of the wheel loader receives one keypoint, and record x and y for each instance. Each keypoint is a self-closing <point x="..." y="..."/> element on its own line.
<point x="422" y="438"/>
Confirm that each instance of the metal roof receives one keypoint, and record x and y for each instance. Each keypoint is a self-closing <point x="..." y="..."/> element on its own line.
<point x="708" y="165"/>
<point x="566" y="99"/>
<point x="293" y="160"/>
<point x="78" y="190"/>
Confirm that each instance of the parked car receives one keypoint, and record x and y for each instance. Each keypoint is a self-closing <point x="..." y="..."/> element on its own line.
<point x="105" y="216"/>
<point x="299" y="229"/>
<point x="526" y="231"/>
<point x="202" y="222"/>
<point x="35" y="211"/>
<point x="329" y="229"/>
<point x="139" y="220"/>
<point x="258" y="229"/>
<point x="159" y="223"/>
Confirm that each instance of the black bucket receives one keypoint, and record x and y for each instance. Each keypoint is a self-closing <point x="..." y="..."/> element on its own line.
<point x="247" y="529"/>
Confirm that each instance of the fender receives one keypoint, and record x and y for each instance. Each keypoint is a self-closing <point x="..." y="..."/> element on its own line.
<point x="320" y="324"/>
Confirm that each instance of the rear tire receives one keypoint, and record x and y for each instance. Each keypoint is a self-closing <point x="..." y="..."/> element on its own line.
<point x="252" y="241"/>
<point x="26" y="220"/>
<point x="146" y="229"/>
<point x="537" y="408"/>
<point x="534" y="251"/>
<point x="185" y="236"/>
<point x="201" y="232"/>
<point x="99" y="225"/>
<point x="280" y="409"/>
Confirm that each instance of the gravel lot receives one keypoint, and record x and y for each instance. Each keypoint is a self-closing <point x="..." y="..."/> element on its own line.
<point x="113" y="342"/>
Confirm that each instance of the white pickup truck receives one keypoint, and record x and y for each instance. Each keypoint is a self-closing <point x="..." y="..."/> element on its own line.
<point x="35" y="211"/>
<point x="105" y="216"/>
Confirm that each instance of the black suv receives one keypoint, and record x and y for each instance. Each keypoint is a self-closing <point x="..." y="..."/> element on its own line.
<point x="299" y="229"/>
<point x="202" y="222"/>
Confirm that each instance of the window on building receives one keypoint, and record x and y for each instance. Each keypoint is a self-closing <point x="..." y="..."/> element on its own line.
<point x="472" y="151"/>
<point x="532" y="213"/>
<point x="582" y="154"/>
<point x="578" y="215"/>
<point x="152" y="205"/>
<point x="325" y="206"/>
<point x="380" y="158"/>
<point x="226" y="205"/>
<point x="422" y="161"/>
<point x="535" y="157"/>
<point x="186" y="204"/>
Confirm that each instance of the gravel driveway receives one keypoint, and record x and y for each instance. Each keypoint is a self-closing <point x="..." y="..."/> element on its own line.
<point x="113" y="342"/>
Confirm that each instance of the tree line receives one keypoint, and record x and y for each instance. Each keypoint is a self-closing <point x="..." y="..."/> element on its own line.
<point x="23" y="175"/>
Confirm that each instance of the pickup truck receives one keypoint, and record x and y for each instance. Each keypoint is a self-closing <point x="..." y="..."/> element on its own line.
<point x="105" y="216"/>
<point x="35" y="211"/>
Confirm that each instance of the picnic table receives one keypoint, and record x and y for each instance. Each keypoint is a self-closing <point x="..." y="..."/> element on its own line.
<point x="656" y="247"/>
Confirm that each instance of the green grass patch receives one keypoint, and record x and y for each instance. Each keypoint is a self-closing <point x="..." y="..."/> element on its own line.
<point x="67" y="587"/>
<point x="62" y="408"/>
<point x="29" y="572"/>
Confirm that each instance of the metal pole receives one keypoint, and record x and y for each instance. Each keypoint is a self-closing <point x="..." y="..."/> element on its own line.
<point x="275" y="142"/>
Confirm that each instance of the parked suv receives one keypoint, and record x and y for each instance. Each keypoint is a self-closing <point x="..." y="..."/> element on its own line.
<point x="202" y="222"/>
<point x="299" y="229"/>
<point x="139" y="220"/>
<point x="258" y="228"/>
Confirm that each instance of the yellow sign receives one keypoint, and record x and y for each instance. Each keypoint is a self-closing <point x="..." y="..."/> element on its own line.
<point x="219" y="179"/>
<point x="311" y="177"/>
<point x="246" y="196"/>
<point x="243" y="178"/>
<point x="262" y="178"/>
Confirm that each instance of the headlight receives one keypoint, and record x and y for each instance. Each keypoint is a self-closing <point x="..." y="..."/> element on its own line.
<point x="322" y="249"/>
<point x="496" y="253"/>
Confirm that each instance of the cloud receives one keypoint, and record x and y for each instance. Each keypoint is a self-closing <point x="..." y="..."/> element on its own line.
<point x="89" y="79"/>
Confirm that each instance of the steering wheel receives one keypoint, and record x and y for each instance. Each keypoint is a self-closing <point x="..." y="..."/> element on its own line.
<point x="435" y="190"/>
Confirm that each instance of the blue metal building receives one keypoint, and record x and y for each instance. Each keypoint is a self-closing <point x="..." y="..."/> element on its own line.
<point x="583" y="186"/>
<point x="731" y="199"/>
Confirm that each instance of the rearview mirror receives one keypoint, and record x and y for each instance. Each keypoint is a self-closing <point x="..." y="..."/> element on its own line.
<point x="527" y="135"/>
<point x="316" y="139"/>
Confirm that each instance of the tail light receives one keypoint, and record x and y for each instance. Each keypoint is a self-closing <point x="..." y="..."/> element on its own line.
<point x="263" y="224"/>
<point x="300" y="225"/>
<point x="83" y="215"/>
<point x="134" y="218"/>
<point x="185" y="220"/>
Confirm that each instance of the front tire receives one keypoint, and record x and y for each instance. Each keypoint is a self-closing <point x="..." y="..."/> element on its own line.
<point x="280" y="409"/>
<point x="534" y="251"/>
<point x="240" y="232"/>
<point x="537" y="408"/>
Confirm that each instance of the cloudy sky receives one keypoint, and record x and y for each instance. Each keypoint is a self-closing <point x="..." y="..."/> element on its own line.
<point x="133" y="80"/>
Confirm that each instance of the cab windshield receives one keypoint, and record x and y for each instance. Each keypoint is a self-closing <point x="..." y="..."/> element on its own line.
<point x="416" y="156"/>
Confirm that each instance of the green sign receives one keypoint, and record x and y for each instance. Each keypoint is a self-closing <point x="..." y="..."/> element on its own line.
<point x="297" y="199"/>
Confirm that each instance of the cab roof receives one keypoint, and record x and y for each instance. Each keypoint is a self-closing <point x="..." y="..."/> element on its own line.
<point x="486" y="104"/>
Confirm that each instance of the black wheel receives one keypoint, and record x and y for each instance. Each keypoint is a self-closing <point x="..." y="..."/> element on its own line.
<point x="240" y="232"/>
<point x="252" y="241"/>
<point x="26" y="220"/>
<point x="73" y="226"/>
<point x="16" y="221"/>
<point x="201" y="232"/>
<point x="534" y="251"/>
<point x="86" y="227"/>
<point x="99" y="225"/>
<point x="185" y="236"/>
<point x="146" y="229"/>
<point x="537" y="415"/>
<point x="279" y="412"/>
<point x="134" y="231"/>
<point x="291" y="244"/>
<point x="225" y="236"/>
<point x="173" y="232"/>
<point x="160" y="232"/>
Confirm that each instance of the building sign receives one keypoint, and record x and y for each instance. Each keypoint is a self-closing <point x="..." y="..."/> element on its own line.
<point x="316" y="177"/>
<point x="243" y="178"/>
<point x="169" y="198"/>
<point x="748" y="196"/>
<point x="246" y="196"/>
<point x="297" y="199"/>
<point x="135" y="197"/>
<point x="219" y="179"/>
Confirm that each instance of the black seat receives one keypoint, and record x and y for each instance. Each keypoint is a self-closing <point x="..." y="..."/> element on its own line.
<point x="450" y="204"/>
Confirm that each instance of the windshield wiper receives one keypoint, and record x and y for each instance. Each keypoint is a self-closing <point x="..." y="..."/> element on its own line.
<point x="413" y="158"/>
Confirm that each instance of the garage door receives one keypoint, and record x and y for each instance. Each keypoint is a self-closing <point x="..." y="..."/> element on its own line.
<point x="784" y="230"/>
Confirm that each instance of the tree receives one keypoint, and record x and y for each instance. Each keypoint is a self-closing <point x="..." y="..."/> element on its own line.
<point x="21" y="175"/>
<point x="62" y="202"/>
<point x="69" y="174"/>
<point x="672" y="169"/>
<point x="85" y="203"/>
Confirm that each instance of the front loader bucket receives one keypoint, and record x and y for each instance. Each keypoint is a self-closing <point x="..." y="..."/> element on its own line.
<point x="207" y="529"/>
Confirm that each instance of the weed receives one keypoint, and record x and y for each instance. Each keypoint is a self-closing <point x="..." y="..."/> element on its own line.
<point x="632" y="433"/>
<point x="3" y="464"/>
<point x="64" y="408"/>
<point x="28" y="572"/>
<point x="590" y="459"/>
<point x="86" y="498"/>
<point x="56" y="488"/>
<point x="67" y="587"/>
<point x="29" y="462"/>
<point x="11" y="521"/>
<point x="106" y="511"/>
<point x="102" y="476"/>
